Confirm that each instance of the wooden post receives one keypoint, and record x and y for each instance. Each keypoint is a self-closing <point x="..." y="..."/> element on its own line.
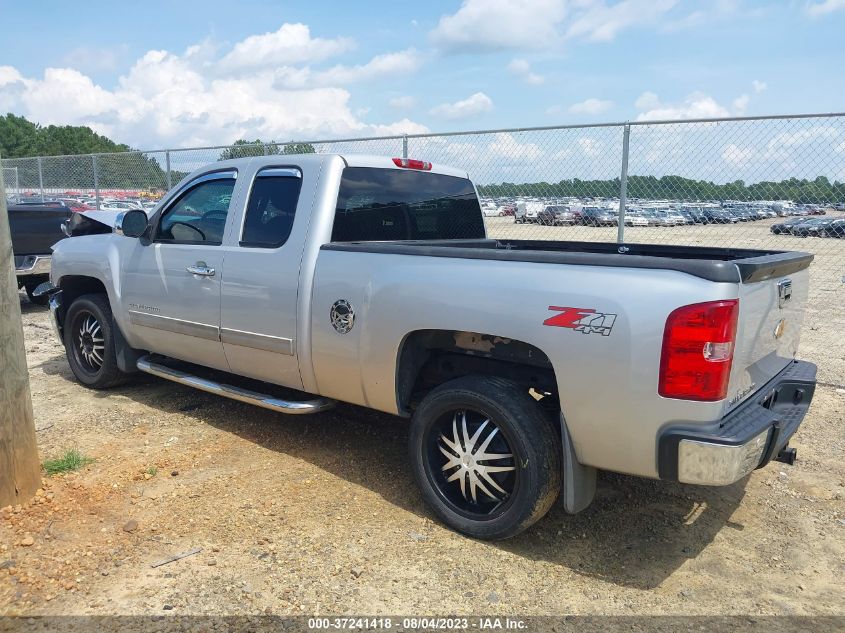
<point x="20" y="469"/>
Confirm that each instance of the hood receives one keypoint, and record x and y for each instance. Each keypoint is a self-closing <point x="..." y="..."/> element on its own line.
<point x="89" y="223"/>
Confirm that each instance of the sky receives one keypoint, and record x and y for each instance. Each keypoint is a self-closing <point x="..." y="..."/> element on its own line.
<point x="179" y="74"/>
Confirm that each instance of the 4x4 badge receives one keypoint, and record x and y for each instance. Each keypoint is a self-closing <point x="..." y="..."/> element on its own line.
<point x="584" y="320"/>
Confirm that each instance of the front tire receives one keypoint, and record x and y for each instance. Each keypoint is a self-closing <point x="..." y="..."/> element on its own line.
<point x="486" y="456"/>
<point x="89" y="342"/>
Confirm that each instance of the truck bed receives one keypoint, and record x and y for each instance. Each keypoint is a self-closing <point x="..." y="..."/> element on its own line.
<point x="727" y="265"/>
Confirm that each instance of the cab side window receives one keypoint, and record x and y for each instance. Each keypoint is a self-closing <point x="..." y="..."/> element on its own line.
<point x="198" y="216"/>
<point x="271" y="208"/>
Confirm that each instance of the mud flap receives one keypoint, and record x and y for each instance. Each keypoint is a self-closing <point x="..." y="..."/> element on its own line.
<point x="125" y="355"/>
<point x="579" y="481"/>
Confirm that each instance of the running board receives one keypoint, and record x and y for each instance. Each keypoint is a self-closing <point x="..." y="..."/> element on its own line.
<point x="146" y="364"/>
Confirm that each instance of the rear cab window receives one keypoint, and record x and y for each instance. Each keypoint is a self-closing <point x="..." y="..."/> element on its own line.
<point x="395" y="204"/>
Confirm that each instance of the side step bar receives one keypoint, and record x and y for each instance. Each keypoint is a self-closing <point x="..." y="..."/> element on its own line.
<point x="146" y="364"/>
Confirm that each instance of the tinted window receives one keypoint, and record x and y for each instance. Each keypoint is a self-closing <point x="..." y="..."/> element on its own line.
<point x="393" y="204"/>
<point x="199" y="214"/>
<point x="271" y="209"/>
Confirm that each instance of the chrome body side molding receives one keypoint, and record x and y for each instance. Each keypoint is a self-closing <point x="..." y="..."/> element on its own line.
<point x="179" y="326"/>
<point x="277" y="344"/>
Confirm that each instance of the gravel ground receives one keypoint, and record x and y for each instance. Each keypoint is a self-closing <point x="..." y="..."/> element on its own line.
<point x="319" y="515"/>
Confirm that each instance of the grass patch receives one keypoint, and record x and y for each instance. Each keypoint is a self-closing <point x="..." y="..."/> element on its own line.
<point x="152" y="470"/>
<point x="70" y="461"/>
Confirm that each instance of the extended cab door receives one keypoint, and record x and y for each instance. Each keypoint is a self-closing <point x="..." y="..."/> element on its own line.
<point x="260" y="288"/>
<point x="171" y="282"/>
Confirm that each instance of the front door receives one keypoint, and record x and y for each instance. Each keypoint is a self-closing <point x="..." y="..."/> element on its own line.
<point x="171" y="282"/>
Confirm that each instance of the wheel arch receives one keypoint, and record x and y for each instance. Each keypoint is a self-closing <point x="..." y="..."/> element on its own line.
<point x="429" y="357"/>
<point x="75" y="286"/>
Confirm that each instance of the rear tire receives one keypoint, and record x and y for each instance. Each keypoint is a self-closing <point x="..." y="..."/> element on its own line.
<point x="519" y="480"/>
<point x="89" y="342"/>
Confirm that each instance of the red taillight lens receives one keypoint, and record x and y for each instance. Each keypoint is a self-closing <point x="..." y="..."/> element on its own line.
<point x="695" y="363"/>
<point x="410" y="163"/>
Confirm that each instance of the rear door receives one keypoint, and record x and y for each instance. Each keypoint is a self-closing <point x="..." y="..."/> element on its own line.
<point x="260" y="289"/>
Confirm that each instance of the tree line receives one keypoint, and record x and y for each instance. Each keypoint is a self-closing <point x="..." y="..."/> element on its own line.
<point x="817" y="190"/>
<point x="118" y="165"/>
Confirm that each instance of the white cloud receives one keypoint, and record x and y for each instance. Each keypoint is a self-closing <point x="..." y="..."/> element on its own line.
<point x="493" y="25"/>
<point x="291" y="44"/>
<point x="522" y="69"/>
<point x="590" y="147"/>
<point x="647" y="101"/>
<point x="405" y="126"/>
<point x="591" y="106"/>
<point x="386" y="65"/>
<point x="695" y="106"/>
<point x="471" y="106"/>
<point x="191" y="99"/>
<point x="737" y="156"/>
<point x="90" y="58"/>
<point x="741" y="103"/>
<point x="602" y="22"/>
<point x="405" y="102"/>
<point x="818" y="9"/>
<point x="488" y="25"/>
<point x="759" y="86"/>
<point x="506" y="146"/>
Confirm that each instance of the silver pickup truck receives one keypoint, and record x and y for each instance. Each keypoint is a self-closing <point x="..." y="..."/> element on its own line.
<point x="523" y="366"/>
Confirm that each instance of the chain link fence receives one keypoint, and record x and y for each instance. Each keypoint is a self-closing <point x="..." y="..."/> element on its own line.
<point x="761" y="182"/>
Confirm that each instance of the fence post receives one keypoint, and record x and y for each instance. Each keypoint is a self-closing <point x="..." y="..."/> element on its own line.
<point x="167" y="163"/>
<point x="40" y="179"/>
<point x="96" y="183"/>
<point x="623" y="185"/>
<point x="404" y="146"/>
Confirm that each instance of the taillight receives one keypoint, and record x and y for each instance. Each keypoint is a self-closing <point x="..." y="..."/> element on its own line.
<point x="698" y="346"/>
<point x="410" y="163"/>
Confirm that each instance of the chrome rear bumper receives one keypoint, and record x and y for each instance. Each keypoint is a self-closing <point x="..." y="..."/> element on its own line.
<point x="27" y="265"/>
<point x="747" y="438"/>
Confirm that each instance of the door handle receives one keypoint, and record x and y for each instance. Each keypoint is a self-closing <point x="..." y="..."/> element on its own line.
<point x="201" y="269"/>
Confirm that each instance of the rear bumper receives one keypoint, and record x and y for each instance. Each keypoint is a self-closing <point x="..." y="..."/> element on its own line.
<point x="745" y="439"/>
<point x="27" y="265"/>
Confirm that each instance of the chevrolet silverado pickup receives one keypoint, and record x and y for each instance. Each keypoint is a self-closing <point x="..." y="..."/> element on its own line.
<point x="293" y="282"/>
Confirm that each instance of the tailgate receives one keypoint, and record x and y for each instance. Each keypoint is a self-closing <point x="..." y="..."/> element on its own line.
<point x="771" y="313"/>
<point x="34" y="231"/>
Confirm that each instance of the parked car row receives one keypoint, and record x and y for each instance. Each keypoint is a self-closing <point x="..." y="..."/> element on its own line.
<point x="811" y="227"/>
<point x="83" y="203"/>
<point x="557" y="214"/>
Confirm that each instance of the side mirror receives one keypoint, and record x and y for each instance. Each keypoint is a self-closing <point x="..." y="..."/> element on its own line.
<point x="131" y="223"/>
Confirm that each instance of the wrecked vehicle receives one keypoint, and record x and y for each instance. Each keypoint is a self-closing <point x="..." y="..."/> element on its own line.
<point x="371" y="281"/>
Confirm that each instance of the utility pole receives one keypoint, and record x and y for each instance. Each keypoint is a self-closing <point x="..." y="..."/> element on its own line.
<point x="20" y="469"/>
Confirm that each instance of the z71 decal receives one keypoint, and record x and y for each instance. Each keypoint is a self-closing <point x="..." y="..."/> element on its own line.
<point x="584" y="320"/>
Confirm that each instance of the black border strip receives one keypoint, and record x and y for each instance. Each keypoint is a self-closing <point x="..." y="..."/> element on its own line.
<point x="713" y="264"/>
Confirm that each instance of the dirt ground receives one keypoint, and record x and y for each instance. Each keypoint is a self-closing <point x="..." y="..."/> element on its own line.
<point x="319" y="515"/>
